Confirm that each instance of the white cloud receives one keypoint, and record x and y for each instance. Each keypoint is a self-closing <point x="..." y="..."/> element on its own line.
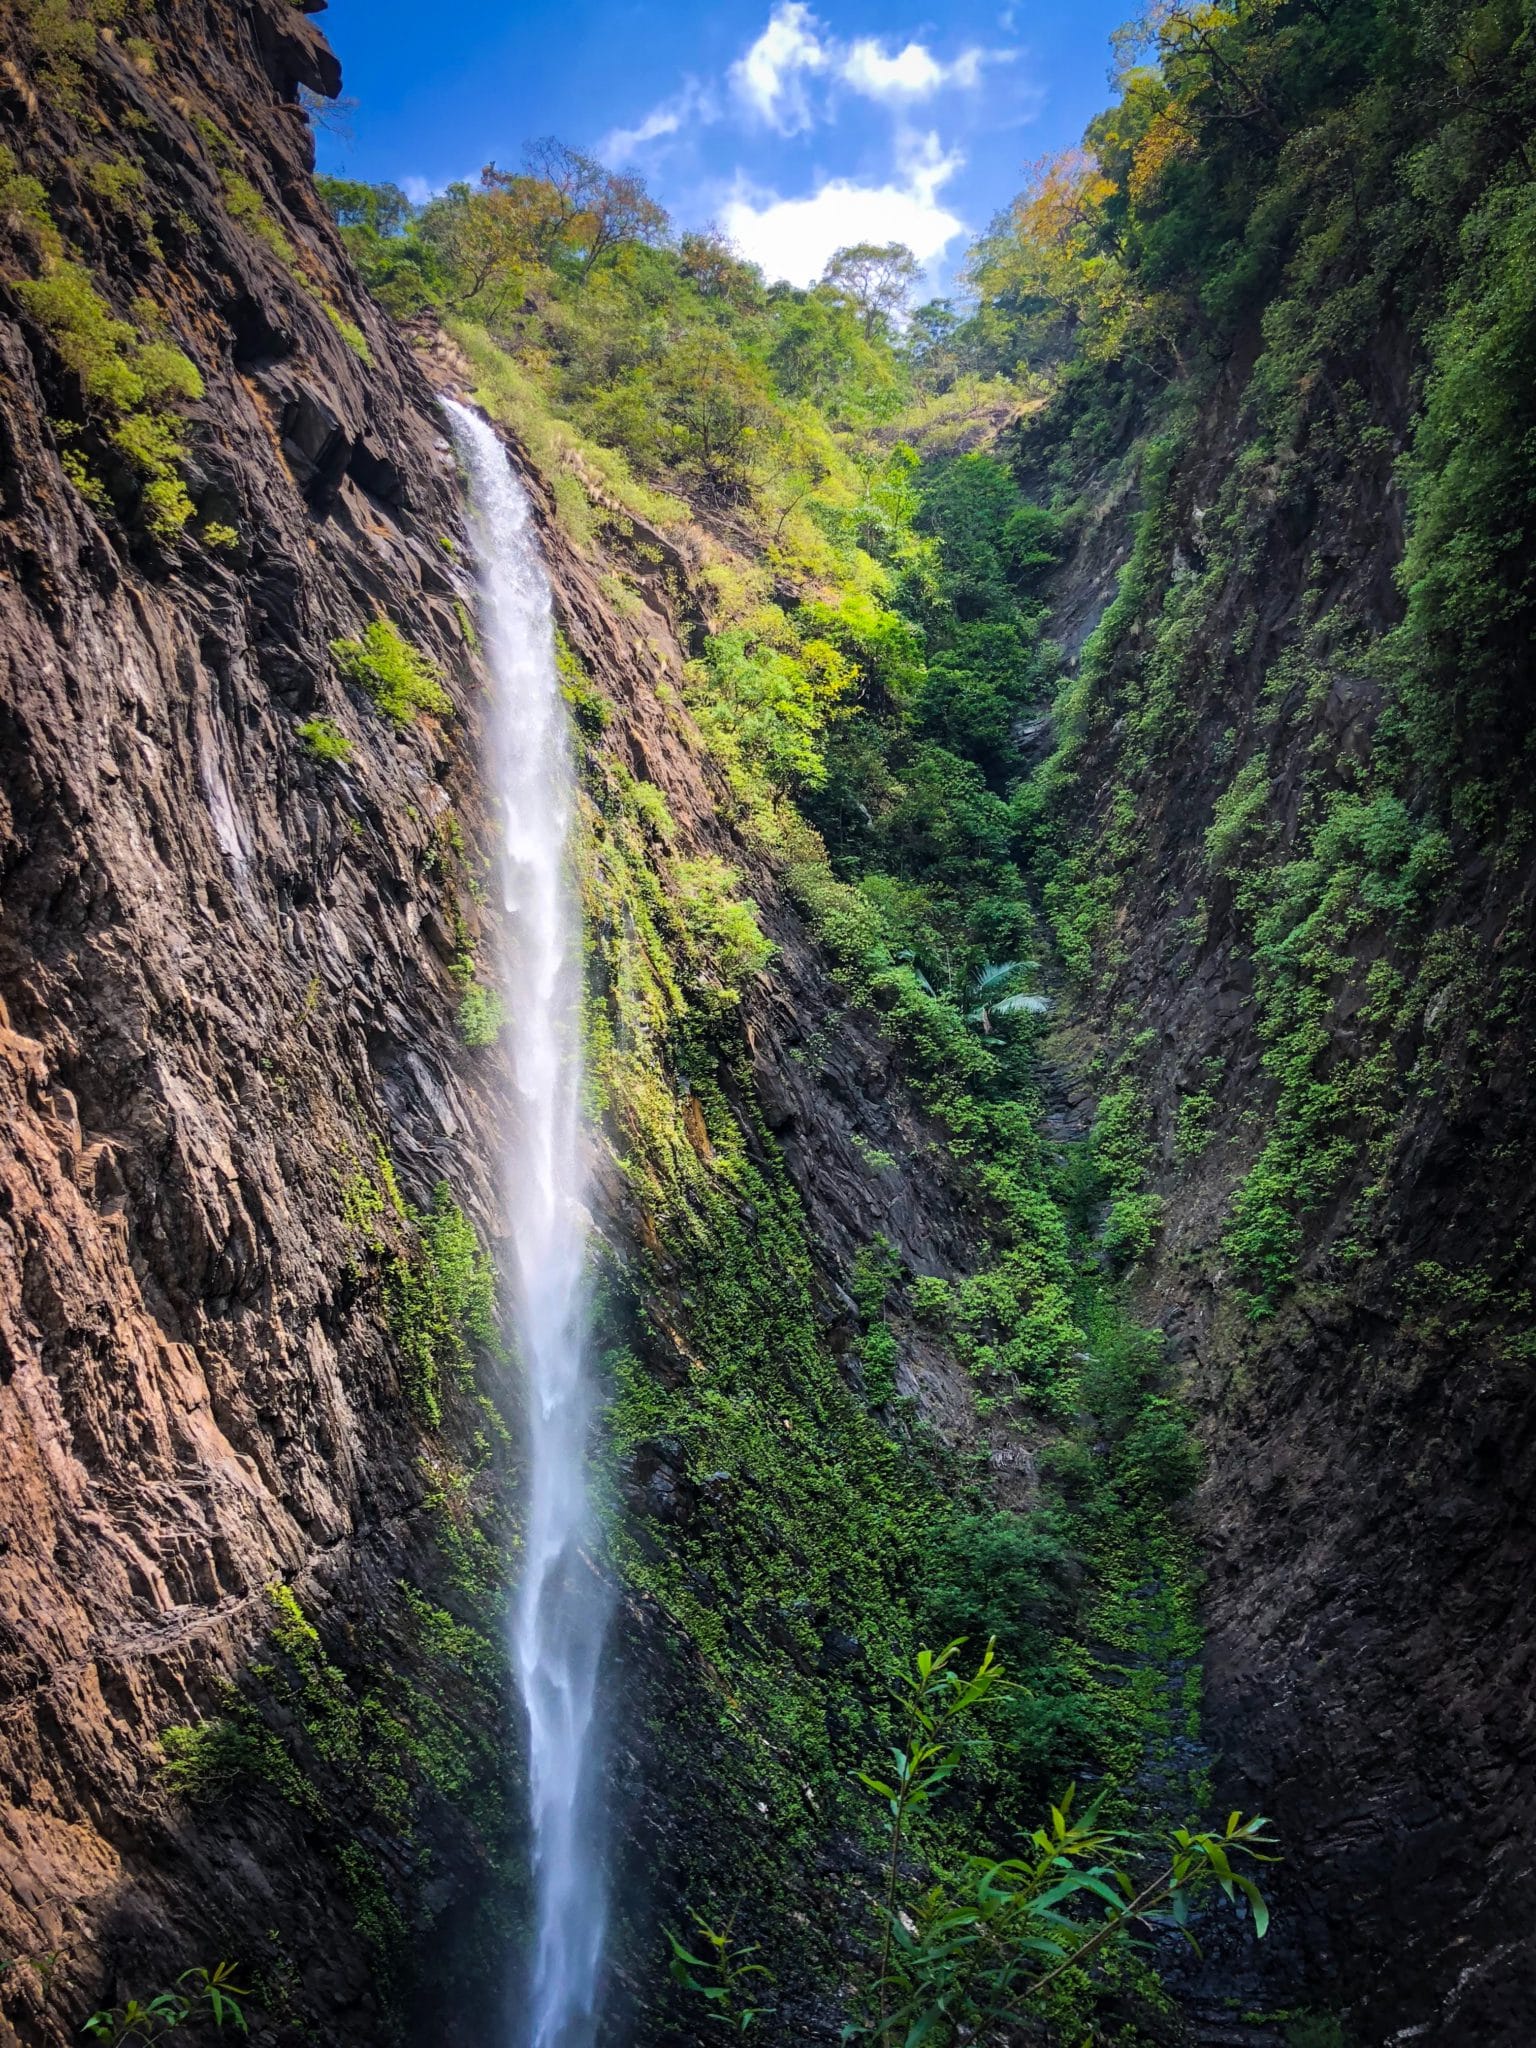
<point x="792" y="238"/>
<point x="911" y="73"/>
<point x="419" y="190"/>
<point x="770" y="77"/>
<point x="694" y="103"/>
<point x="925" y="163"/>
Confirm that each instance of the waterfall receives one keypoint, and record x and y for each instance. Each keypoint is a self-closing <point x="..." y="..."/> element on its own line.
<point x="560" y="1609"/>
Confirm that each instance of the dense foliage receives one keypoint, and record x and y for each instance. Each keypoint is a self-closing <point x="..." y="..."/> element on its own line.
<point x="1287" y="292"/>
<point x="1281" y="296"/>
<point x="873" y="582"/>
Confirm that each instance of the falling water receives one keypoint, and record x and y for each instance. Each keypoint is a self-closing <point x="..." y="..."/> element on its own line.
<point x="560" y="1610"/>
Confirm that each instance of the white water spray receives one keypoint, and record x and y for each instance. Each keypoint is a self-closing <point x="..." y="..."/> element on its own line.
<point x="561" y="1609"/>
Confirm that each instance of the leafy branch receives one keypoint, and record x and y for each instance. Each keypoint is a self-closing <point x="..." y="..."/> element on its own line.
<point x="196" y="1994"/>
<point x="722" y="1976"/>
<point x="996" y="1936"/>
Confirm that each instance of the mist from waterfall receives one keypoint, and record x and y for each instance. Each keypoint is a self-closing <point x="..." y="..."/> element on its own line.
<point x="561" y="1608"/>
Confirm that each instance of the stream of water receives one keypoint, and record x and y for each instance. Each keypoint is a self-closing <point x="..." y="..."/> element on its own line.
<point x="560" y="1610"/>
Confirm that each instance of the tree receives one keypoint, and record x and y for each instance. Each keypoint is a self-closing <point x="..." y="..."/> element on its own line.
<point x="815" y="351"/>
<point x="879" y="278"/>
<point x="594" y="209"/>
<point x="1046" y="261"/>
<point x="721" y="411"/>
<point x="484" y="242"/>
<point x="716" y="269"/>
<point x="989" y="1941"/>
<point x="931" y="343"/>
<point x="384" y="209"/>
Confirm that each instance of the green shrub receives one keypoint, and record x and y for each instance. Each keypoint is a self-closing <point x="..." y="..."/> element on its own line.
<point x="128" y="382"/>
<point x="932" y="1300"/>
<point x="24" y="208"/>
<point x="325" y="742"/>
<point x="1131" y="1226"/>
<point x="246" y="205"/>
<point x="1158" y="1457"/>
<point x="1316" y="2030"/>
<point x="350" y="332"/>
<point x="998" y="1576"/>
<point x="441" y="1302"/>
<point x="878" y="1353"/>
<point x="63" y="36"/>
<point x="119" y="184"/>
<point x="482" y="1016"/>
<point x="397" y="679"/>
<point x="720" y="923"/>
<point x="1196" y="1112"/>
<point x="207" y="1762"/>
<point x="1237" y="817"/>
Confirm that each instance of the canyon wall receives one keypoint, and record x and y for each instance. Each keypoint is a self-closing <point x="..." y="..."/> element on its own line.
<point x="1312" y="963"/>
<point x="253" y="1497"/>
<point x="260" y="1437"/>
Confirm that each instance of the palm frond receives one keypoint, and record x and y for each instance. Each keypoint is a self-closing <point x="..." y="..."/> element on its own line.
<point x="994" y="973"/>
<point x="1008" y="1006"/>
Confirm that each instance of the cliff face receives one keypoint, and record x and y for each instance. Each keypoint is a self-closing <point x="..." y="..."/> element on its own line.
<point x="223" y="977"/>
<point x="1329" y="1060"/>
<point x="240" y="906"/>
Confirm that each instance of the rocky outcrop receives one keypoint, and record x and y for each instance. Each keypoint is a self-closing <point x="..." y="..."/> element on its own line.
<point x="223" y="974"/>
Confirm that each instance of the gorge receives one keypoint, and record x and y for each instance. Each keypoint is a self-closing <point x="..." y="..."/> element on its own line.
<point x="704" y="985"/>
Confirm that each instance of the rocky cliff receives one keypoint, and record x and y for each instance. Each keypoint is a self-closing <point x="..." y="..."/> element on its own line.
<point x="223" y="971"/>
<point x="260" y="1433"/>
<point x="1310" y="981"/>
<point x="252" y="1499"/>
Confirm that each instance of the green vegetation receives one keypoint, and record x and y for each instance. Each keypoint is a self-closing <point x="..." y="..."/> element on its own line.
<point x="864" y="683"/>
<point x="325" y="742"/>
<point x="1121" y="1148"/>
<point x="1208" y="218"/>
<point x="246" y="205"/>
<point x="989" y="1940"/>
<point x="350" y="333"/>
<point x="482" y="1016"/>
<point x="129" y="386"/>
<point x="1276" y="188"/>
<point x="197" y="1994"/>
<point x="356" y="1753"/>
<point x="395" y="677"/>
<point x="720" y="924"/>
<point x="24" y="209"/>
<point x="60" y="38"/>
<point x="440" y="1296"/>
<point x="120" y="185"/>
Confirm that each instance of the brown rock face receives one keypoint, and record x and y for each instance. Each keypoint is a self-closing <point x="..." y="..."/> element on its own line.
<point x="219" y="986"/>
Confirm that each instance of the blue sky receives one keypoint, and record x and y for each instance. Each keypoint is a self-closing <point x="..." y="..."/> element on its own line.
<point x="796" y="127"/>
